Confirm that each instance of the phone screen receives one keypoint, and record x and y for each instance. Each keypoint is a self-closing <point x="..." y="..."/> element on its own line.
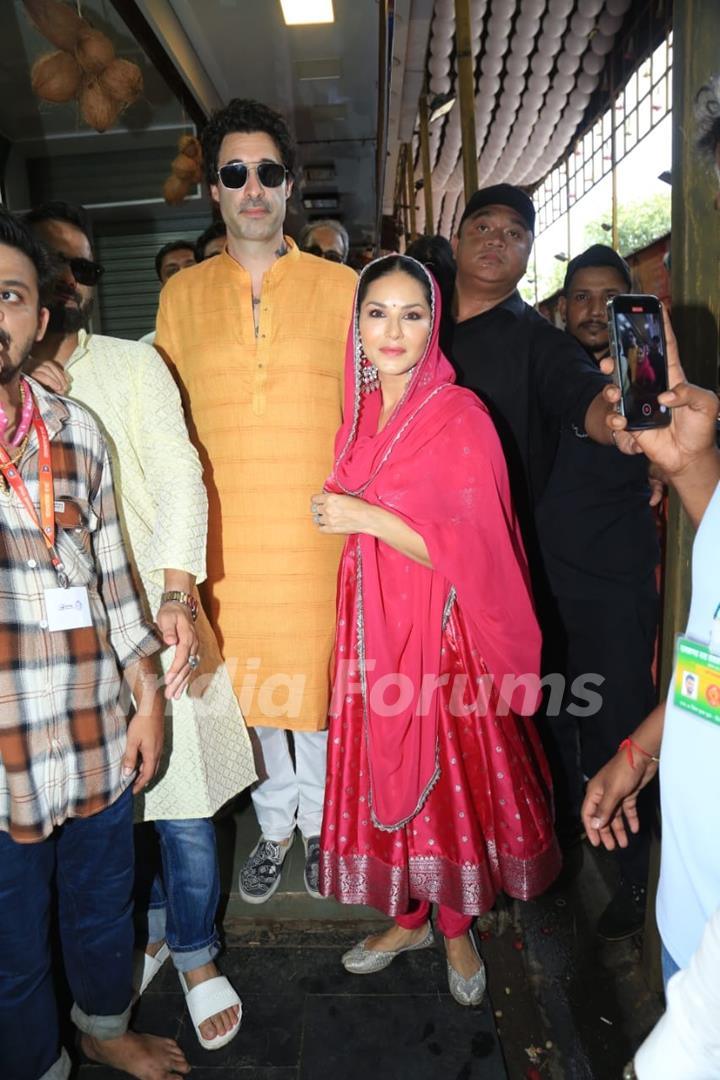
<point x="638" y="343"/>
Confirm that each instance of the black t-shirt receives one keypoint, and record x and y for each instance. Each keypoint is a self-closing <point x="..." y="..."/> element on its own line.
<point x="594" y="522"/>
<point x="535" y="379"/>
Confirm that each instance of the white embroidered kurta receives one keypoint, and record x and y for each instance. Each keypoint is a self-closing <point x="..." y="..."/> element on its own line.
<point x="207" y="758"/>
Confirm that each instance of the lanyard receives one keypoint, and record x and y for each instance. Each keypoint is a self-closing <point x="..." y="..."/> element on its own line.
<point x="46" y="522"/>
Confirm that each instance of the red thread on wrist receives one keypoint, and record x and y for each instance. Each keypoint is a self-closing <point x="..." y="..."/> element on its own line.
<point x="628" y="745"/>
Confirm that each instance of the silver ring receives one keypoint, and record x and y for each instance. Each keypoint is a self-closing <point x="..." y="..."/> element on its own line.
<point x="194" y="661"/>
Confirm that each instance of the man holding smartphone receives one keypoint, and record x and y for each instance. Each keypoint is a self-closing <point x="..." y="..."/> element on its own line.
<point x="599" y="541"/>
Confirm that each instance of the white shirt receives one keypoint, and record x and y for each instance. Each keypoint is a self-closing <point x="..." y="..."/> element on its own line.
<point x="685" y="1044"/>
<point x="689" y="890"/>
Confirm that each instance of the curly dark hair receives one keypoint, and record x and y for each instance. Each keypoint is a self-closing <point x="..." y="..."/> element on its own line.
<point x="14" y="234"/>
<point x="707" y="112"/>
<point x="245" y="116"/>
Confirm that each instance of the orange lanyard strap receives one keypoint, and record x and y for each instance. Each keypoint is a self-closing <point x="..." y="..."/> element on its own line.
<point x="46" y="522"/>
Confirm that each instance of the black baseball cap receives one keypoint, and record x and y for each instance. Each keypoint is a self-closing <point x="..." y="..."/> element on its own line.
<point x="501" y="195"/>
<point x="598" y="255"/>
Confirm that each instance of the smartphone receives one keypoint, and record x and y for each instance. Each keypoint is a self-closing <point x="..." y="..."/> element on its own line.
<point x="637" y="343"/>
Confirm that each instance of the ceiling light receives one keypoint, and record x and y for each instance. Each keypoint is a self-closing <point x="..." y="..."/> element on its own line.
<point x="306" y="12"/>
<point x="440" y="105"/>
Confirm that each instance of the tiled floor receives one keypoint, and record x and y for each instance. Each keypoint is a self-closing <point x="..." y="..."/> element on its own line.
<point x="559" y="1000"/>
<point x="304" y="1017"/>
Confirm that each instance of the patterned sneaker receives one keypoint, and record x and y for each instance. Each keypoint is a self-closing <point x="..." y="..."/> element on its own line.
<point x="312" y="866"/>
<point x="260" y="874"/>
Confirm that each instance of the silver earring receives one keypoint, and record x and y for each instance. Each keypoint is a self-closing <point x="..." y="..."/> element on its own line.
<point x="369" y="379"/>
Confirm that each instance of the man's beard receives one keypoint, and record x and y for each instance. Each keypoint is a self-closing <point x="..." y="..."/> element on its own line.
<point x="8" y="370"/>
<point x="68" y="319"/>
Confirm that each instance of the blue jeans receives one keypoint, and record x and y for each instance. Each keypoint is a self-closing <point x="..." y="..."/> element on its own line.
<point x="90" y="862"/>
<point x="669" y="967"/>
<point x="179" y="904"/>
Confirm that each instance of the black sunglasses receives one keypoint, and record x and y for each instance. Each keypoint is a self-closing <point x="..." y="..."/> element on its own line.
<point x="269" y="173"/>
<point x="330" y="255"/>
<point x="85" y="271"/>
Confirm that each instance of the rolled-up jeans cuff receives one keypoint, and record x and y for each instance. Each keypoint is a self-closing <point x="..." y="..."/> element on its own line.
<point x="188" y="961"/>
<point x="60" y="1070"/>
<point x="101" y="1027"/>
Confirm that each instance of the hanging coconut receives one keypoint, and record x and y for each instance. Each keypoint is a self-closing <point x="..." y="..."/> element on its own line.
<point x="122" y="80"/>
<point x="98" y="109"/>
<point x="57" y="22"/>
<point x="175" y="190"/>
<point x="185" y="167"/>
<point x="56" y="77"/>
<point x="190" y="145"/>
<point x="94" y="51"/>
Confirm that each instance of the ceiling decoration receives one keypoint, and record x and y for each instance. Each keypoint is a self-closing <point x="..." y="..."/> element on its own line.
<point x="537" y="63"/>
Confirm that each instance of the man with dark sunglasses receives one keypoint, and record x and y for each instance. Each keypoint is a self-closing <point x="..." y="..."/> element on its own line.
<point x="163" y="503"/>
<point x="59" y="225"/>
<point x="257" y="336"/>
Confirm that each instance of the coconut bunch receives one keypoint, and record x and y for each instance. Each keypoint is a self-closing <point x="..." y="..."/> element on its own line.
<point x="84" y="67"/>
<point x="185" y="172"/>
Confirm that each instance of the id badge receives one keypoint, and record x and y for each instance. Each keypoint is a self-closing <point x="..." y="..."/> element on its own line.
<point x="697" y="680"/>
<point x="67" y="609"/>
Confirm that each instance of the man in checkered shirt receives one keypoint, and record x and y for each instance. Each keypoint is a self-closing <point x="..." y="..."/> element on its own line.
<point x="73" y="641"/>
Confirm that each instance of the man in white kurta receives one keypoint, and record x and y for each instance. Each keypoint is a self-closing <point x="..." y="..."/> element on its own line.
<point x="163" y="510"/>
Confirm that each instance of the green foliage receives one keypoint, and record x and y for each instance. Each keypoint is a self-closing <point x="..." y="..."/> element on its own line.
<point x="551" y="274"/>
<point x="639" y="224"/>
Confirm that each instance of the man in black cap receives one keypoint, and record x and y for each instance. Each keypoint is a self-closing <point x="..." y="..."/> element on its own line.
<point x="599" y="542"/>
<point x="531" y="375"/>
<point x="535" y="380"/>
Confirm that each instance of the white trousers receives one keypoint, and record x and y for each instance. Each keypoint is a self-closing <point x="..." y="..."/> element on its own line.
<point x="288" y="795"/>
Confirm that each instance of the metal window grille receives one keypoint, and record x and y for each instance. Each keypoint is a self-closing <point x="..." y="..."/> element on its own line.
<point x="644" y="100"/>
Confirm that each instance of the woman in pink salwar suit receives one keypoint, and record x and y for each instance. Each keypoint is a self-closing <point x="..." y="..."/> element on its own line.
<point x="437" y="789"/>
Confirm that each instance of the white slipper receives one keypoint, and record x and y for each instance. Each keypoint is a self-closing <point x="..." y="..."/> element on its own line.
<point x="207" y="999"/>
<point x="145" y="967"/>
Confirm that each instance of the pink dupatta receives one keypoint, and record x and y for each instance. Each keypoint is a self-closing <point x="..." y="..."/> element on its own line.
<point x="439" y="466"/>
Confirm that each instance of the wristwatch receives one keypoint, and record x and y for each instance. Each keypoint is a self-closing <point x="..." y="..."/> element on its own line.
<point x="177" y="597"/>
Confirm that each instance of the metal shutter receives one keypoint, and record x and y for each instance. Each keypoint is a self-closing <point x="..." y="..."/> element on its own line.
<point x="129" y="289"/>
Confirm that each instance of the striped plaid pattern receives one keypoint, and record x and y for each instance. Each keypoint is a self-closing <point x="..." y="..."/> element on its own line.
<point x="63" y="710"/>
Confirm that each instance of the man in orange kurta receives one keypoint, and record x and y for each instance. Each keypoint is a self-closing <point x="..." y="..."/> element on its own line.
<point x="257" y="338"/>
